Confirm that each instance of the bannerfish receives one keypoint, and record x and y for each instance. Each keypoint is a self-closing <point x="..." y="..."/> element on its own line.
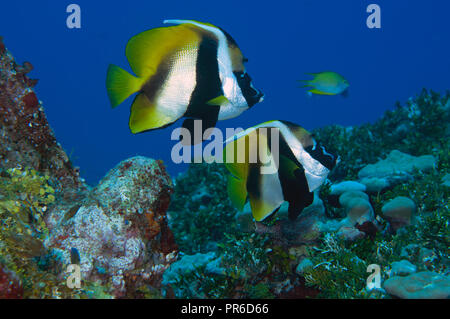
<point x="193" y="70"/>
<point x="302" y="166"/>
<point x="326" y="83"/>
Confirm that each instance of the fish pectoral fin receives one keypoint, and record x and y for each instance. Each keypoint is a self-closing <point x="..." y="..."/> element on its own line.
<point x="146" y="115"/>
<point x="120" y="84"/>
<point x="220" y="100"/>
<point x="237" y="192"/>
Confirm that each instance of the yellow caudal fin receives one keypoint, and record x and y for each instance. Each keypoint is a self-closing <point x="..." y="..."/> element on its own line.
<point x="120" y="85"/>
<point x="236" y="159"/>
<point x="237" y="191"/>
<point x="146" y="115"/>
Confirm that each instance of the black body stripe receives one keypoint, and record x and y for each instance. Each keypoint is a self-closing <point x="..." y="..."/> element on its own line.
<point x="152" y="87"/>
<point x="208" y="87"/>
<point x="208" y="84"/>
<point x="295" y="187"/>
<point x="254" y="180"/>
<point x="251" y="95"/>
<point x="327" y="160"/>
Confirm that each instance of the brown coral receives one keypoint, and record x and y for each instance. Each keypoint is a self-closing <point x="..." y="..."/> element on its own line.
<point x="26" y="139"/>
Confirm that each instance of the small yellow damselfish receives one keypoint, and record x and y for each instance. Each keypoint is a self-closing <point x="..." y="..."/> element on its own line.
<point x="326" y="83"/>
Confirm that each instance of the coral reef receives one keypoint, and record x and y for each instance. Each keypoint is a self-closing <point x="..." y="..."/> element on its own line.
<point x="201" y="212"/>
<point x="385" y="204"/>
<point x="26" y="139"/>
<point x="116" y="232"/>
<point x="423" y="285"/>
<point x="418" y="128"/>
<point x="10" y="286"/>
<point x="395" y="169"/>
<point x="138" y="234"/>
<point x="120" y="230"/>
<point x="399" y="212"/>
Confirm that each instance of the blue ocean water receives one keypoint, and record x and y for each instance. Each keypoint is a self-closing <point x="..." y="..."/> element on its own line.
<point x="283" y="40"/>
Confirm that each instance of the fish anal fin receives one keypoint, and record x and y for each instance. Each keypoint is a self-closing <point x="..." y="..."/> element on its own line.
<point x="315" y="91"/>
<point x="260" y="209"/>
<point x="146" y="115"/>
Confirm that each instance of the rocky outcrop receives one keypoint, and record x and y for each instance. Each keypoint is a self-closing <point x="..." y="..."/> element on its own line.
<point x="116" y="232"/>
<point x="26" y="139"/>
<point x="120" y="231"/>
<point x="397" y="167"/>
<point x="399" y="212"/>
<point x="402" y="268"/>
<point x="422" y="285"/>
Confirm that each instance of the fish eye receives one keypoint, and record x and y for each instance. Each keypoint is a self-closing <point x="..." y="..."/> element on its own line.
<point x="244" y="60"/>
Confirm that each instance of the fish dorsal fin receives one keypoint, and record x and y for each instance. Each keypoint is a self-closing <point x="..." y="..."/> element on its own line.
<point x="235" y="157"/>
<point x="202" y="25"/>
<point x="204" y="29"/>
<point x="147" y="50"/>
<point x="238" y="169"/>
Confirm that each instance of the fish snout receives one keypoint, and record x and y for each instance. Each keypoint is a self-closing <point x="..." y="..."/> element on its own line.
<point x="251" y="94"/>
<point x="257" y="97"/>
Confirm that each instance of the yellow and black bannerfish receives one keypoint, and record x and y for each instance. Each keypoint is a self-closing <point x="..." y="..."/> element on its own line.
<point x="193" y="70"/>
<point x="301" y="168"/>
